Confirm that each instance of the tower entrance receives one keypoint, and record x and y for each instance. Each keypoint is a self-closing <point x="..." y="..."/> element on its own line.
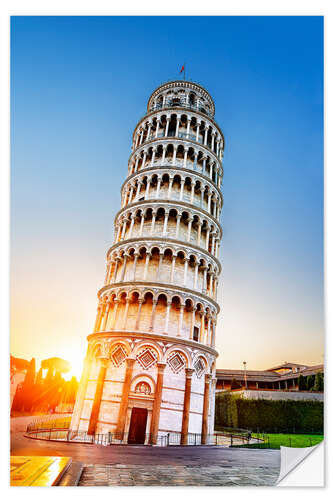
<point x="137" y="430"/>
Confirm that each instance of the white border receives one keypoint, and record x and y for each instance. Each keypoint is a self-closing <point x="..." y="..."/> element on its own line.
<point x="172" y="7"/>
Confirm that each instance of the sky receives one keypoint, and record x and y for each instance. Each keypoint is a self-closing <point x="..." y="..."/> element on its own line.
<point x="79" y="85"/>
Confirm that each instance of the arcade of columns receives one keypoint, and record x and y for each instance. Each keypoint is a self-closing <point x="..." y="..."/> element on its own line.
<point x="153" y="345"/>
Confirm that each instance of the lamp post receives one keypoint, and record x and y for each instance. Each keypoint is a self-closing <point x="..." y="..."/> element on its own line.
<point x="245" y="380"/>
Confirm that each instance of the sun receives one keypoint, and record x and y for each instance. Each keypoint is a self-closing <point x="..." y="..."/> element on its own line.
<point x="75" y="357"/>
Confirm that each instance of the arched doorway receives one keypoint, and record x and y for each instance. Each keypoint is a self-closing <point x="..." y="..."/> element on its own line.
<point x="137" y="429"/>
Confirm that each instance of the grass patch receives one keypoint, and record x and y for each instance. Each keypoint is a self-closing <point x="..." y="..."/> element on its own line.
<point x="274" y="441"/>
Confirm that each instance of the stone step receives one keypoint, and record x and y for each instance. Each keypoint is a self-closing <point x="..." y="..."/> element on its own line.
<point x="72" y="475"/>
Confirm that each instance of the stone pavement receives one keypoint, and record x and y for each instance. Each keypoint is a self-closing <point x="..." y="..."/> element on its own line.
<point x="179" y="475"/>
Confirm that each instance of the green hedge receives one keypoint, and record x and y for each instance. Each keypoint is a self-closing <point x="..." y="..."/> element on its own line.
<point x="262" y="415"/>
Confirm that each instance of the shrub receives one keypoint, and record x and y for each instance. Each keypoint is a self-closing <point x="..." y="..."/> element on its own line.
<point x="269" y="416"/>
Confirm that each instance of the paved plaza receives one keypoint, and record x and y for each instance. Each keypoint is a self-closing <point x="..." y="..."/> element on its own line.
<point x="153" y="466"/>
<point x="178" y="475"/>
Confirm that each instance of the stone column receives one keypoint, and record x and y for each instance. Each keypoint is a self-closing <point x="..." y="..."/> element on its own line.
<point x="153" y="314"/>
<point x="202" y="328"/>
<point x="124" y="398"/>
<point x="202" y="190"/>
<point x="199" y="232"/>
<point x="185" y="157"/>
<point x="147" y="188"/>
<point x="182" y="182"/>
<point x="97" y="398"/>
<point x="126" y="313"/>
<point x="159" y="267"/>
<point x="123" y="268"/>
<point x="159" y="180"/>
<point x="167" y="315"/>
<point x="136" y="163"/>
<point x="124" y="229"/>
<point x="192" y="191"/>
<point x="204" y="429"/>
<point x="188" y="126"/>
<point x="166" y="217"/>
<point x="197" y="133"/>
<point x="146" y="266"/>
<point x="209" y="200"/>
<point x="174" y="154"/>
<point x="195" y="163"/>
<point x="98" y="316"/>
<point x="132" y="217"/>
<point x="206" y="134"/>
<point x="141" y="223"/>
<point x="163" y="154"/>
<point x="177" y="126"/>
<point x="153" y="155"/>
<point x="157" y="128"/>
<point x="137" y="322"/>
<point x="153" y="222"/>
<point x="196" y="275"/>
<point x="116" y="269"/>
<point x="177" y="225"/>
<point x="167" y="127"/>
<point x="136" y="255"/>
<point x="192" y="322"/>
<point x="115" y="309"/>
<point x="174" y="257"/>
<point x="180" y="324"/>
<point x="213" y="333"/>
<point x="187" y="405"/>
<point x="185" y="270"/>
<point x="189" y="227"/>
<point x="106" y="315"/>
<point x="204" y="280"/>
<point x="207" y="238"/>
<point x="157" y="404"/>
<point x="170" y="186"/>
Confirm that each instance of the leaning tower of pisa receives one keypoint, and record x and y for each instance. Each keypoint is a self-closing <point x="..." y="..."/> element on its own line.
<point x="150" y="364"/>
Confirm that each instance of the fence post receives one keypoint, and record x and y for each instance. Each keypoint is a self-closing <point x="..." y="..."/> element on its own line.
<point x="168" y="438"/>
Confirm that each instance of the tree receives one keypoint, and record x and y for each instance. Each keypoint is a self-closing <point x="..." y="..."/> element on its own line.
<point x="310" y="380"/>
<point x="301" y="383"/>
<point x="319" y="382"/>
<point x="28" y="386"/>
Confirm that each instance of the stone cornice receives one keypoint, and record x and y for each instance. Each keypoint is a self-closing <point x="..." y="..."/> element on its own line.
<point x="164" y="287"/>
<point x="169" y="169"/>
<point x="153" y="336"/>
<point x="143" y="239"/>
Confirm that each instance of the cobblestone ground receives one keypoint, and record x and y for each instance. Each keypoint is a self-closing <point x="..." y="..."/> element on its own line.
<point x="177" y="475"/>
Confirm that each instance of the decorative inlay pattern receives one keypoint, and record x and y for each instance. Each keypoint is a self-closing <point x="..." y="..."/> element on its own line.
<point x="176" y="361"/>
<point x="118" y="356"/>
<point x="147" y="358"/>
<point x="199" y="367"/>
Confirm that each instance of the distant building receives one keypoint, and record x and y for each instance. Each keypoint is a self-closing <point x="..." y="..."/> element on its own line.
<point x="282" y="377"/>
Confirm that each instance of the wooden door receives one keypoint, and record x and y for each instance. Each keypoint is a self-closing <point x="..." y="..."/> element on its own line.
<point x="137" y="430"/>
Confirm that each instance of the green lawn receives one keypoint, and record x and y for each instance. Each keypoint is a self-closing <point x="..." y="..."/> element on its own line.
<point x="274" y="441"/>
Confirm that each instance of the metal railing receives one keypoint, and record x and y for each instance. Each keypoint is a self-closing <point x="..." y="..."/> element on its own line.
<point x="56" y="429"/>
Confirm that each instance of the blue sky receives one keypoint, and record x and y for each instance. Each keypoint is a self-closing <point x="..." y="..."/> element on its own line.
<point x="78" y="87"/>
